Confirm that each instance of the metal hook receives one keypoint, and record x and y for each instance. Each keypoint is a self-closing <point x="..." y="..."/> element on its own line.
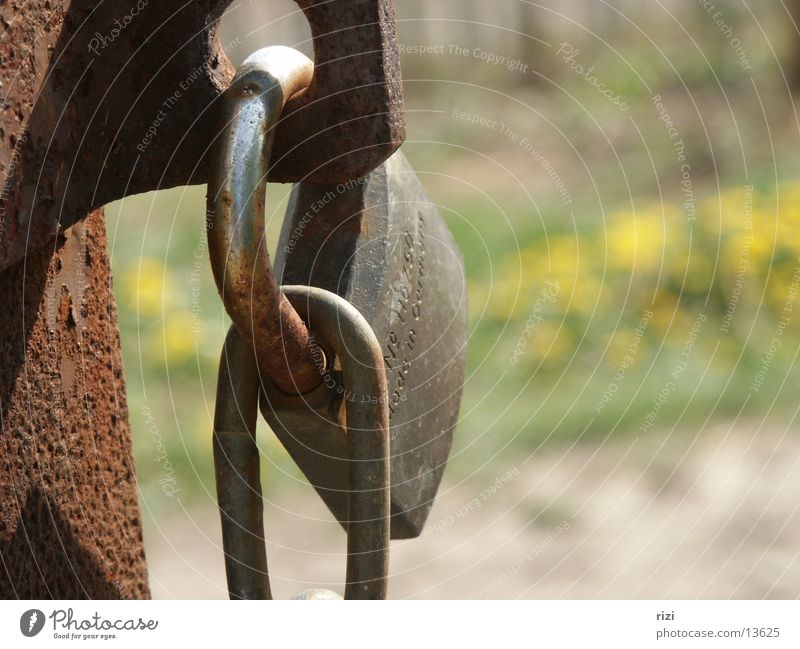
<point x="240" y="162"/>
<point x="344" y="329"/>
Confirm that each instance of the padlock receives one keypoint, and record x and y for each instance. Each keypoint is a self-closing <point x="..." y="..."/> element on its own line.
<point x="381" y="244"/>
<point x="345" y="332"/>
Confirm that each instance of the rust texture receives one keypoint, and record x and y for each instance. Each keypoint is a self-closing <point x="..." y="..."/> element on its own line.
<point x="100" y="100"/>
<point x="107" y="99"/>
<point x="351" y="118"/>
<point x="235" y="217"/>
<point x="69" y="515"/>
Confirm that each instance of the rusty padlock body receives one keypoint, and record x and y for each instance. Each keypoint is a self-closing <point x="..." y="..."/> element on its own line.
<point x="381" y="244"/>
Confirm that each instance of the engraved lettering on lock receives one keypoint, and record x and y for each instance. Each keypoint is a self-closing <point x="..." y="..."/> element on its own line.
<point x="406" y="309"/>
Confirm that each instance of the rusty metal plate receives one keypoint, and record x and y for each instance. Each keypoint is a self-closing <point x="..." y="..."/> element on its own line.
<point x="70" y="522"/>
<point x="107" y="99"/>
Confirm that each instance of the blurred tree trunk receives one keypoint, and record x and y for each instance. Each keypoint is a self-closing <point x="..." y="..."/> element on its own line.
<point x="792" y="64"/>
<point x="530" y="23"/>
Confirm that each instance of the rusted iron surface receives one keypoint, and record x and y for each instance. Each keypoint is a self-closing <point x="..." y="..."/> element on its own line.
<point x="351" y="119"/>
<point x="235" y="217"/>
<point x="106" y="99"/>
<point x="101" y="100"/>
<point x="81" y="95"/>
<point x="69" y="515"/>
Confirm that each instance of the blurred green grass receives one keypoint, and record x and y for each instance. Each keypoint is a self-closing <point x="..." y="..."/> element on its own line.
<point x="620" y="249"/>
<point x="549" y="394"/>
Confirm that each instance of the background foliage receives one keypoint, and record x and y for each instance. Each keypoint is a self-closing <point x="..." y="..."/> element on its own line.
<point x="612" y="292"/>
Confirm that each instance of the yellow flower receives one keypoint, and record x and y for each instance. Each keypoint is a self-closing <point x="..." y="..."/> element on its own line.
<point x="664" y="309"/>
<point x="699" y="274"/>
<point x="636" y="241"/>
<point x="764" y="239"/>
<point x="506" y="296"/>
<point x="551" y="343"/>
<point x="780" y="295"/>
<point x="625" y="348"/>
<point x="730" y="210"/>
<point x="177" y="338"/>
<point x="788" y="201"/>
<point x="736" y="252"/>
<point x="147" y="287"/>
<point x="517" y="284"/>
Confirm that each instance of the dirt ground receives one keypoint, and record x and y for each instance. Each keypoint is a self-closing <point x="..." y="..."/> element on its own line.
<point x="709" y="516"/>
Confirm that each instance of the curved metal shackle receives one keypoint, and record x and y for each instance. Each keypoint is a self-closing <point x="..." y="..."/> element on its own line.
<point x="237" y="183"/>
<point x="340" y="326"/>
<point x="237" y="469"/>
